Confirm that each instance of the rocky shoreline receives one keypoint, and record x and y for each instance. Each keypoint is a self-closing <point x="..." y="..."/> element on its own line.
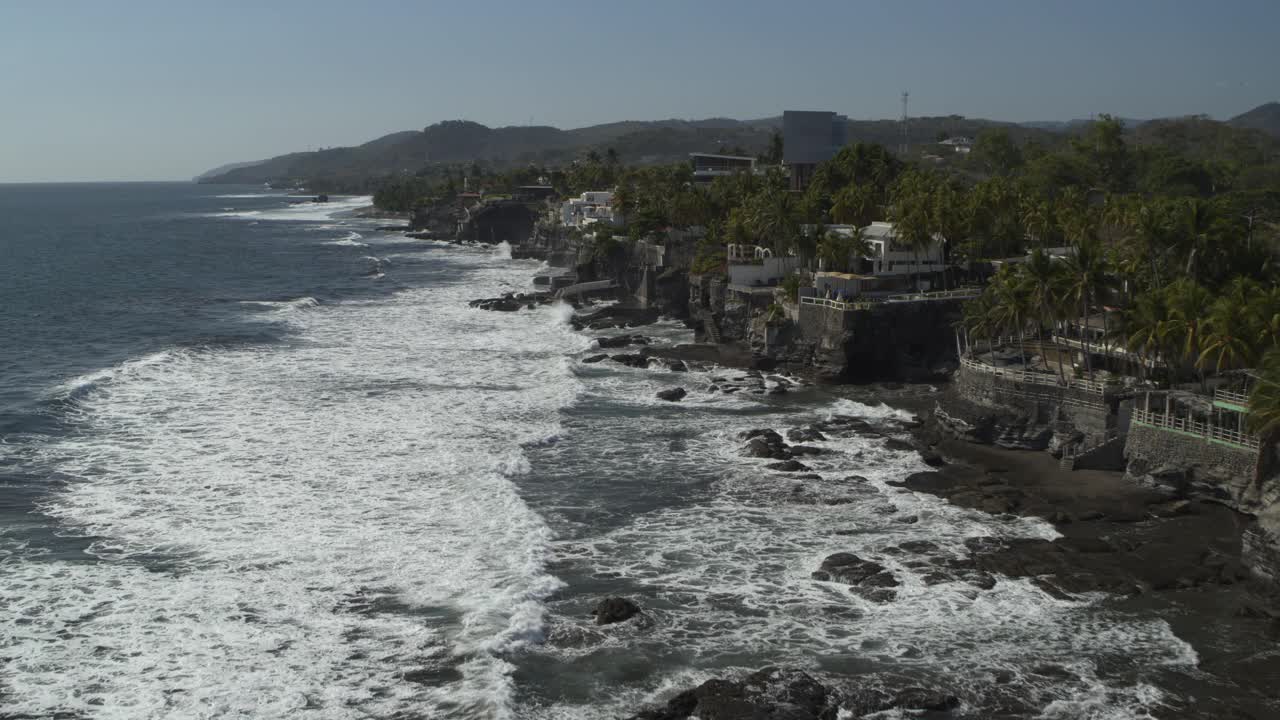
<point x="1119" y="543"/>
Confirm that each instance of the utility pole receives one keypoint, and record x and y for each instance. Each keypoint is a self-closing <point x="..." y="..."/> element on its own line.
<point x="906" y="138"/>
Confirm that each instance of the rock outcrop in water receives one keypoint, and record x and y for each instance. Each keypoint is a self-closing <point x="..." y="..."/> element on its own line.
<point x="672" y="395"/>
<point x="866" y="578"/>
<point x="790" y="694"/>
<point x="615" y="610"/>
<point x="510" y="302"/>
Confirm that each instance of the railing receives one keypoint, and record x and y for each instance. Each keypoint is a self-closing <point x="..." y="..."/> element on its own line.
<point x="1191" y="426"/>
<point x="844" y="305"/>
<point x="960" y="294"/>
<point x="1231" y="398"/>
<point x="580" y="288"/>
<point x="1034" y="378"/>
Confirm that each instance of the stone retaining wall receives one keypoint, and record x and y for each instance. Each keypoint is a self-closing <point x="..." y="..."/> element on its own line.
<point x="1196" y="467"/>
<point x="1090" y="414"/>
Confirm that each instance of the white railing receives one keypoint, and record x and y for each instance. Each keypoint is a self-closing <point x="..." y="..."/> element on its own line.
<point x="960" y="294"/>
<point x="844" y="305"/>
<point x="1191" y="426"/>
<point x="1036" y="378"/>
<point x="1231" y="398"/>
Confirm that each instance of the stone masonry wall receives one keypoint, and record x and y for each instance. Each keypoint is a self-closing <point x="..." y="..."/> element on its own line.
<point x="1194" y="466"/>
<point x="1087" y="413"/>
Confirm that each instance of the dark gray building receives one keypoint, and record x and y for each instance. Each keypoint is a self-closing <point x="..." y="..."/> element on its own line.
<point x="809" y="138"/>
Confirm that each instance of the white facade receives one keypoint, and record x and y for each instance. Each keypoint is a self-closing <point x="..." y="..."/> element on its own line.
<point x="590" y="207"/>
<point x="888" y="257"/>
<point x="768" y="271"/>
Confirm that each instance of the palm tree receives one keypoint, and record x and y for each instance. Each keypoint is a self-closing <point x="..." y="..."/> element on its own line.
<point x="1087" y="273"/>
<point x="1188" y="302"/>
<point x="836" y="250"/>
<point x="1013" y="305"/>
<point x="1230" y="340"/>
<point x="855" y="205"/>
<point x="1264" y="399"/>
<point x="1194" y="221"/>
<point x="1145" y="329"/>
<point x="979" y="318"/>
<point x="1045" y="279"/>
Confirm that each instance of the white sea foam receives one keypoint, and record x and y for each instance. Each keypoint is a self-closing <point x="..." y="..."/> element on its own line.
<point x="302" y="303"/>
<point x="729" y="574"/>
<point x="125" y="369"/>
<point x="275" y="526"/>
<point x="302" y="210"/>
<point x="351" y="239"/>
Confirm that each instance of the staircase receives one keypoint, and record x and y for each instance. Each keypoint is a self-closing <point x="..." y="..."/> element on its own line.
<point x="713" y="329"/>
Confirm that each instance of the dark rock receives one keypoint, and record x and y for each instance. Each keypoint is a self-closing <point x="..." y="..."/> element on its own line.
<point x="806" y="450"/>
<point x="853" y="570"/>
<point x="621" y="341"/>
<point x="594" y="358"/>
<point x="900" y="445"/>
<point x="636" y="360"/>
<point x="922" y="699"/>
<point x="676" y="365"/>
<point x="765" y="443"/>
<point x="908" y="519"/>
<point x="507" y="303"/>
<point x="919" y="546"/>
<point x="777" y="390"/>
<point x="672" y="395"/>
<point x="787" y="466"/>
<point x="932" y="459"/>
<point x="769" y="694"/>
<point x="614" y="609"/>
<point x="805" y="434"/>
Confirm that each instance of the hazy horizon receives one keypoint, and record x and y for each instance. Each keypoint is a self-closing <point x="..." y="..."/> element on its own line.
<point x="155" y="91"/>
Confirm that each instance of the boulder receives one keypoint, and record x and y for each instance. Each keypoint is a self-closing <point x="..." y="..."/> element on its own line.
<point x="853" y="570"/>
<point x="633" y="360"/>
<point x="594" y="358"/>
<point x="769" y="694"/>
<point x="787" y="466"/>
<point x="805" y="434"/>
<point x="672" y="395"/>
<point x="606" y="343"/>
<point x="765" y="443"/>
<point x="615" y="610"/>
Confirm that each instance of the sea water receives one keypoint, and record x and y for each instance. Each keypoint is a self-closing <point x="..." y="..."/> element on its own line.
<point x="260" y="459"/>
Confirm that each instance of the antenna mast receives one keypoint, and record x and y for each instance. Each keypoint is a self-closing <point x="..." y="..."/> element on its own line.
<point x="906" y="140"/>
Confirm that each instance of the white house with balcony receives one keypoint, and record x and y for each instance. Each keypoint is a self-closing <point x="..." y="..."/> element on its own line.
<point x="590" y="207"/>
<point x="889" y="257"/>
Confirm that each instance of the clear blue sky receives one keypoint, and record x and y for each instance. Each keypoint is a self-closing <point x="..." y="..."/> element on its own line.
<point x="165" y="89"/>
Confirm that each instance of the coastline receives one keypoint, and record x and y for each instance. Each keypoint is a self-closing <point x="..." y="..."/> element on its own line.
<point x="1120" y="545"/>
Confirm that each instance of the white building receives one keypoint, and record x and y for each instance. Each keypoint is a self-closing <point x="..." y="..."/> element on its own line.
<point x="888" y="256"/>
<point x="755" y="266"/>
<point x="589" y="207"/>
<point x="962" y="145"/>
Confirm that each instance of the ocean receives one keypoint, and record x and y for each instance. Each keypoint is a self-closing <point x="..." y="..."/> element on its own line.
<point x="261" y="460"/>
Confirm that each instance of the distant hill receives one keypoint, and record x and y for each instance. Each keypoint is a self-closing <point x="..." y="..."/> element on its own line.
<point x="1062" y="126"/>
<point x="1264" y="117"/>
<point x="224" y="169"/>
<point x="461" y="141"/>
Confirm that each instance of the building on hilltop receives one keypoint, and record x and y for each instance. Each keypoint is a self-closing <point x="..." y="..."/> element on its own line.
<point x="709" y="166"/>
<point x="810" y="138"/>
